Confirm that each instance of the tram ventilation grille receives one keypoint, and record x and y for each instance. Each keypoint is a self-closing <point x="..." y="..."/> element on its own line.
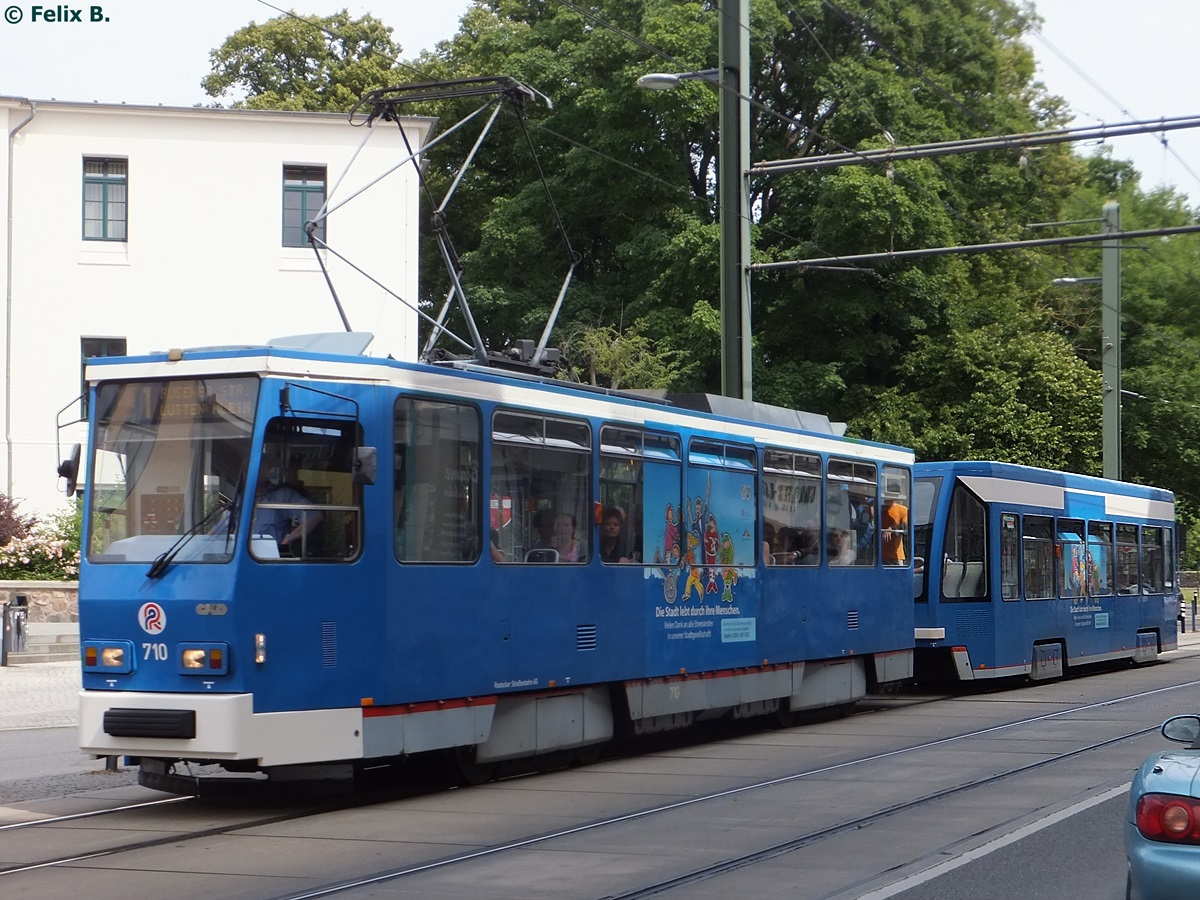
<point x="585" y="637"/>
<point x="852" y="620"/>
<point x="329" y="644"/>
<point x="972" y="623"/>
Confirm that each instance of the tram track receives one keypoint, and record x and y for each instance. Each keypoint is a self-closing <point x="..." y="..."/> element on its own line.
<point x="716" y="869"/>
<point x="798" y="842"/>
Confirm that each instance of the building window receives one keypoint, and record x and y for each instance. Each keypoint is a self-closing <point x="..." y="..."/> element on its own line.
<point x="303" y="197"/>
<point x="90" y="348"/>
<point x="105" y="200"/>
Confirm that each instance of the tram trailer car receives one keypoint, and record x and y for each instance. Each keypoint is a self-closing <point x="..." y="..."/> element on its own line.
<point x="1026" y="571"/>
<point x="301" y="561"/>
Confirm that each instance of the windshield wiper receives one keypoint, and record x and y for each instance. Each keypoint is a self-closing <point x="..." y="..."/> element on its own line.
<point x="159" y="567"/>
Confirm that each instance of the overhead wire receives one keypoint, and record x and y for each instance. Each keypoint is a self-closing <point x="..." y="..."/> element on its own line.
<point x="1032" y="27"/>
<point x="790" y="121"/>
<point x="862" y="26"/>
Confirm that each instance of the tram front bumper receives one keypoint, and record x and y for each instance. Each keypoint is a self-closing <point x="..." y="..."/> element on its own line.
<point x="221" y="727"/>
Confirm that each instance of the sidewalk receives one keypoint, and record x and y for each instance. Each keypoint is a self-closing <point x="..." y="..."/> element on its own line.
<point x="45" y="695"/>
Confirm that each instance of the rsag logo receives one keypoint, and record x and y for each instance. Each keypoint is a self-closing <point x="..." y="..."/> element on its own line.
<point x="152" y="618"/>
<point x="57" y="13"/>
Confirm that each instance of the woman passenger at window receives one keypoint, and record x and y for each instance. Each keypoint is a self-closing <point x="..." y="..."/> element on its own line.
<point x="611" y="536"/>
<point x="568" y="546"/>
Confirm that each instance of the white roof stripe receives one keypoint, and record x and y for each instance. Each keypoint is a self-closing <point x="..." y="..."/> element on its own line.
<point x="1050" y="496"/>
<point x="533" y="396"/>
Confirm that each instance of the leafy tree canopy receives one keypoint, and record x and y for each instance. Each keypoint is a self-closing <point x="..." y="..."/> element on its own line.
<point x="304" y="62"/>
<point x="964" y="356"/>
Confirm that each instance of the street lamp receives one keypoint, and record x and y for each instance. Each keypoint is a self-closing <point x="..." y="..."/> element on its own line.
<point x="732" y="76"/>
<point x="666" y="81"/>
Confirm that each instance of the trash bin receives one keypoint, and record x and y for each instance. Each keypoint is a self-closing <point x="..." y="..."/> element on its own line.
<point x="15" y="616"/>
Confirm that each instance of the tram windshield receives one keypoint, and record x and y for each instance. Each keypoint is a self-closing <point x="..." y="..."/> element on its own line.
<point x="168" y="459"/>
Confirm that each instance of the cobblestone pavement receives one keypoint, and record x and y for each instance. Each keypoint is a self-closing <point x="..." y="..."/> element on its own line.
<point x="45" y="695"/>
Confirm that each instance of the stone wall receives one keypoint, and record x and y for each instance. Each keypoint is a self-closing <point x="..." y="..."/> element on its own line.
<point x="49" y="601"/>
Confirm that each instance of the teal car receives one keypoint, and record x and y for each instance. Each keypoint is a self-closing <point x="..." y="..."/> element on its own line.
<point x="1162" y="827"/>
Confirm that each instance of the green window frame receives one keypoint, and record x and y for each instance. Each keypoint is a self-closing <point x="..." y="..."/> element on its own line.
<point x="105" y="199"/>
<point x="303" y="197"/>
<point x="91" y="348"/>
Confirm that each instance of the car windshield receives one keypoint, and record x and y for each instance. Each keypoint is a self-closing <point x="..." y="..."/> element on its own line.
<point x="165" y="455"/>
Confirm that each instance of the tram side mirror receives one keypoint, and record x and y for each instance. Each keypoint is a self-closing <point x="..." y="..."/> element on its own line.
<point x="365" y="464"/>
<point x="69" y="469"/>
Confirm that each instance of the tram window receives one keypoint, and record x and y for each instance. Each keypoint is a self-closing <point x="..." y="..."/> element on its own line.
<point x="1010" y="556"/>
<point x="306" y="497"/>
<point x="662" y="476"/>
<point x="1168" y="560"/>
<point x="719" y="513"/>
<point x="791" y="508"/>
<point x="438" y="498"/>
<point x="541" y="467"/>
<point x="622" y="496"/>
<point x="964" y="570"/>
<point x="1128" y="572"/>
<point x="1037" y="550"/>
<point x="850" y="520"/>
<point x="1100" y="559"/>
<point x="893" y="518"/>
<point x="1071" y="558"/>
<point x="167" y="456"/>
<point x="1152" y="560"/>
<point x="925" y="494"/>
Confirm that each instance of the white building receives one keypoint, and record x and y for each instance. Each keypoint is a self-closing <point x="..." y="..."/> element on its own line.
<point x="138" y="228"/>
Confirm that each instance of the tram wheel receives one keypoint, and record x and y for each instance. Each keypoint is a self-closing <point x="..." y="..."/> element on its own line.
<point x="585" y="756"/>
<point x="467" y="770"/>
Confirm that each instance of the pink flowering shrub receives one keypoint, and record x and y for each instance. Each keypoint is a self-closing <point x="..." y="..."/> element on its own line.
<point x="35" y="550"/>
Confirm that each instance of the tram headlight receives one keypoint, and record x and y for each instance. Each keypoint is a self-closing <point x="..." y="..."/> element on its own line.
<point x="108" y="657"/>
<point x="112" y="657"/>
<point x="203" y="659"/>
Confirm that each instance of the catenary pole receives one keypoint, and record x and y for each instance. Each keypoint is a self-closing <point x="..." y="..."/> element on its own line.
<point x="733" y="51"/>
<point x="1110" y="356"/>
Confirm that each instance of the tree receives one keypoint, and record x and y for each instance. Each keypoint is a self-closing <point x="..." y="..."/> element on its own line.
<point x="962" y="356"/>
<point x="304" y="63"/>
<point x="604" y="355"/>
<point x="1160" y="326"/>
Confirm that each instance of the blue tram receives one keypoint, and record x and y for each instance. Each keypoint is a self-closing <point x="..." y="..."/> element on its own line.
<point x="301" y="560"/>
<point x="1024" y="571"/>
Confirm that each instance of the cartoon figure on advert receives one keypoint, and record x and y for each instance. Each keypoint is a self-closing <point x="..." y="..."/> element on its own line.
<point x="693" y="570"/>
<point x="671" y="533"/>
<point x="670" y="572"/>
<point x="729" y="575"/>
<point x="712" y="550"/>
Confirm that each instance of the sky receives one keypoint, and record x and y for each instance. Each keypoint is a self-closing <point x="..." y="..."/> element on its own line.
<point x="1118" y="60"/>
<point x="1111" y="59"/>
<point x="156" y="51"/>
